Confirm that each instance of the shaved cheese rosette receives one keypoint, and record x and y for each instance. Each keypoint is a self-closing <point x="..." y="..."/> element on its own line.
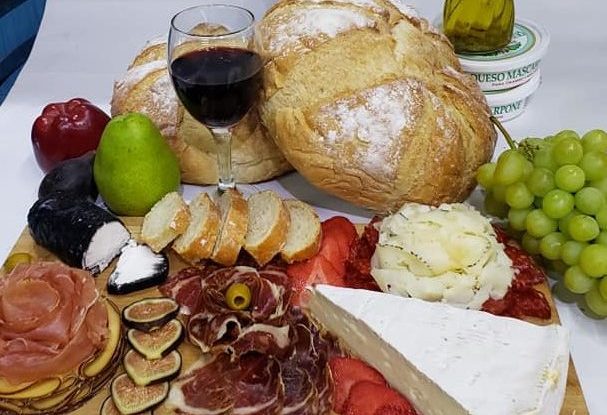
<point x="447" y="253"/>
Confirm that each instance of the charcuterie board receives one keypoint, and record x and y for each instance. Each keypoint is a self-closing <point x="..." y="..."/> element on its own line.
<point x="574" y="400"/>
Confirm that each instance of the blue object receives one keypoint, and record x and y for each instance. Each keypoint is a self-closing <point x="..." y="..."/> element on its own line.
<point x="19" y="23"/>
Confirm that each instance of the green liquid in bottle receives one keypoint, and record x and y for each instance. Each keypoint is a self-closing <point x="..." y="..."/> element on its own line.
<point x="478" y="25"/>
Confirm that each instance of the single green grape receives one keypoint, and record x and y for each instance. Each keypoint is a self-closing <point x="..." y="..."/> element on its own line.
<point x="516" y="218"/>
<point x="540" y="181"/>
<point x="595" y="140"/>
<point x="583" y="228"/>
<point x="595" y="302"/>
<point x="589" y="200"/>
<point x="494" y="207"/>
<point x="566" y="134"/>
<point x="570" y="178"/>
<point x="510" y="168"/>
<point x="499" y="192"/>
<point x="560" y="291"/>
<point x="571" y="251"/>
<point x="600" y="184"/>
<point x="538" y="224"/>
<point x="484" y="175"/>
<point x="527" y="169"/>
<point x="594" y="165"/>
<point x="564" y="222"/>
<point x="601" y="217"/>
<point x="530" y="244"/>
<point x="601" y="239"/>
<point x="603" y="288"/>
<point x="568" y="151"/>
<point x="518" y="196"/>
<point x="593" y="260"/>
<point x="543" y="158"/>
<point x="551" y="245"/>
<point x="577" y="281"/>
<point x="557" y="203"/>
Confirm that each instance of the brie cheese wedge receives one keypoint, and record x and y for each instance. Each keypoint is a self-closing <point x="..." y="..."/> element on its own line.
<point x="447" y="360"/>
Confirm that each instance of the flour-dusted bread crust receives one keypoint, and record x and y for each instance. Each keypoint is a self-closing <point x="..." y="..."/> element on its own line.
<point x="305" y="232"/>
<point x="167" y="219"/>
<point x="198" y="240"/>
<point x="147" y="88"/>
<point x="268" y="226"/>
<point x="368" y="102"/>
<point x="234" y="222"/>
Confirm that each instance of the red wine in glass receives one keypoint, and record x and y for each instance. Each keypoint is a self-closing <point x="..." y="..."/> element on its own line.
<point x="217" y="85"/>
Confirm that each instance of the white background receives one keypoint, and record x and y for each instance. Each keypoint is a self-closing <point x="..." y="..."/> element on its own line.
<point x="83" y="46"/>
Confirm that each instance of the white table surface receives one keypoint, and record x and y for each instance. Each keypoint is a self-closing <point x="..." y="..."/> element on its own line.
<point x="83" y="46"/>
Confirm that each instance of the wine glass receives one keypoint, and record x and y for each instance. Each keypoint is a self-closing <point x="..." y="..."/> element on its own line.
<point x="216" y="71"/>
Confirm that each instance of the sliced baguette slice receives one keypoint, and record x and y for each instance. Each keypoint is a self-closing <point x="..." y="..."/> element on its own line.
<point x="234" y="221"/>
<point x="167" y="219"/>
<point x="268" y="226"/>
<point x="303" y="237"/>
<point x="198" y="241"/>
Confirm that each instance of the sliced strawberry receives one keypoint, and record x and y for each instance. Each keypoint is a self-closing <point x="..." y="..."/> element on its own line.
<point x="369" y="398"/>
<point x="346" y="372"/>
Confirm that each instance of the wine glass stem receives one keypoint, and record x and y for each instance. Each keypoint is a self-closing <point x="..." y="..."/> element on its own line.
<point x="223" y="142"/>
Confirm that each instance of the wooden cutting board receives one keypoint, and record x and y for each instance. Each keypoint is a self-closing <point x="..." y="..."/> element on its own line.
<point x="574" y="399"/>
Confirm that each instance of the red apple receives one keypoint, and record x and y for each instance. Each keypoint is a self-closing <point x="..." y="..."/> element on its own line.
<point x="66" y="130"/>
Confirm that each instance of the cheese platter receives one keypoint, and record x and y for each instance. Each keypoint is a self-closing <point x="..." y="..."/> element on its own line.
<point x="249" y="304"/>
<point x="573" y="404"/>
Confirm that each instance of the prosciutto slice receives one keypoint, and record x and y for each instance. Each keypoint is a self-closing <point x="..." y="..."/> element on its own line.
<point x="214" y="326"/>
<point x="268" y="359"/>
<point x="51" y="320"/>
<point x="250" y="385"/>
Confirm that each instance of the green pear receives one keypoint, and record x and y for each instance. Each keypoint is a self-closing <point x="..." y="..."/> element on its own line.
<point x="134" y="166"/>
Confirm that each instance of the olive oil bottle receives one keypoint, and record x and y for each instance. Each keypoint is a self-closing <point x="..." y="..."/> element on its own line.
<point x="475" y="26"/>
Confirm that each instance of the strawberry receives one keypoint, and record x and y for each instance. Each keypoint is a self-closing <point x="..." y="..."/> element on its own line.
<point x="346" y="372"/>
<point x="369" y="398"/>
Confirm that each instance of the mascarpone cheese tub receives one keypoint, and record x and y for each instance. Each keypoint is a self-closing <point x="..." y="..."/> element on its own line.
<point x="509" y="104"/>
<point x="513" y="65"/>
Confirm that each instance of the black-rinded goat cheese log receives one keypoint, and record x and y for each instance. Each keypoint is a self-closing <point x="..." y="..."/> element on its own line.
<point x="79" y="232"/>
<point x="138" y="268"/>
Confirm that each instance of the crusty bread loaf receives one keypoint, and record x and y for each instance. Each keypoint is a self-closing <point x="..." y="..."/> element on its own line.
<point x="198" y="240"/>
<point x="368" y="102"/>
<point x="304" y="235"/>
<point x="268" y="226"/>
<point x="167" y="219"/>
<point x="147" y="88"/>
<point x="234" y="222"/>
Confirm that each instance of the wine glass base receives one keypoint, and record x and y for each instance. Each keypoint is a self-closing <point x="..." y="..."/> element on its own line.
<point x="222" y="187"/>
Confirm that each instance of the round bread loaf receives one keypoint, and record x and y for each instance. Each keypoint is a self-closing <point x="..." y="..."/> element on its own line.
<point x="369" y="103"/>
<point x="147" y="88"/>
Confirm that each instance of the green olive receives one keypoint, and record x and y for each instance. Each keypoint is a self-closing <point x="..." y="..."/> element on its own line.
<point x="238" y="296"/>
<point x="15" y="259"/>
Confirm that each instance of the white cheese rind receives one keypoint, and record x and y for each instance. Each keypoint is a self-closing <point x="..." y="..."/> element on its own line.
<point x="446" y="360"/>
<point x="449" y="253"/>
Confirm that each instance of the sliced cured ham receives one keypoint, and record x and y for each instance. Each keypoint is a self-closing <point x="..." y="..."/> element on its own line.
<point x="214" y="326"/>
<point x="51" y="321"/>
<point x="268" y="359"/>
<point x="250" y="385"/>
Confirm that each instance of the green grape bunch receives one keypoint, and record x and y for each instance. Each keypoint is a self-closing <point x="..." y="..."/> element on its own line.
<point x="553" y="193"/>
